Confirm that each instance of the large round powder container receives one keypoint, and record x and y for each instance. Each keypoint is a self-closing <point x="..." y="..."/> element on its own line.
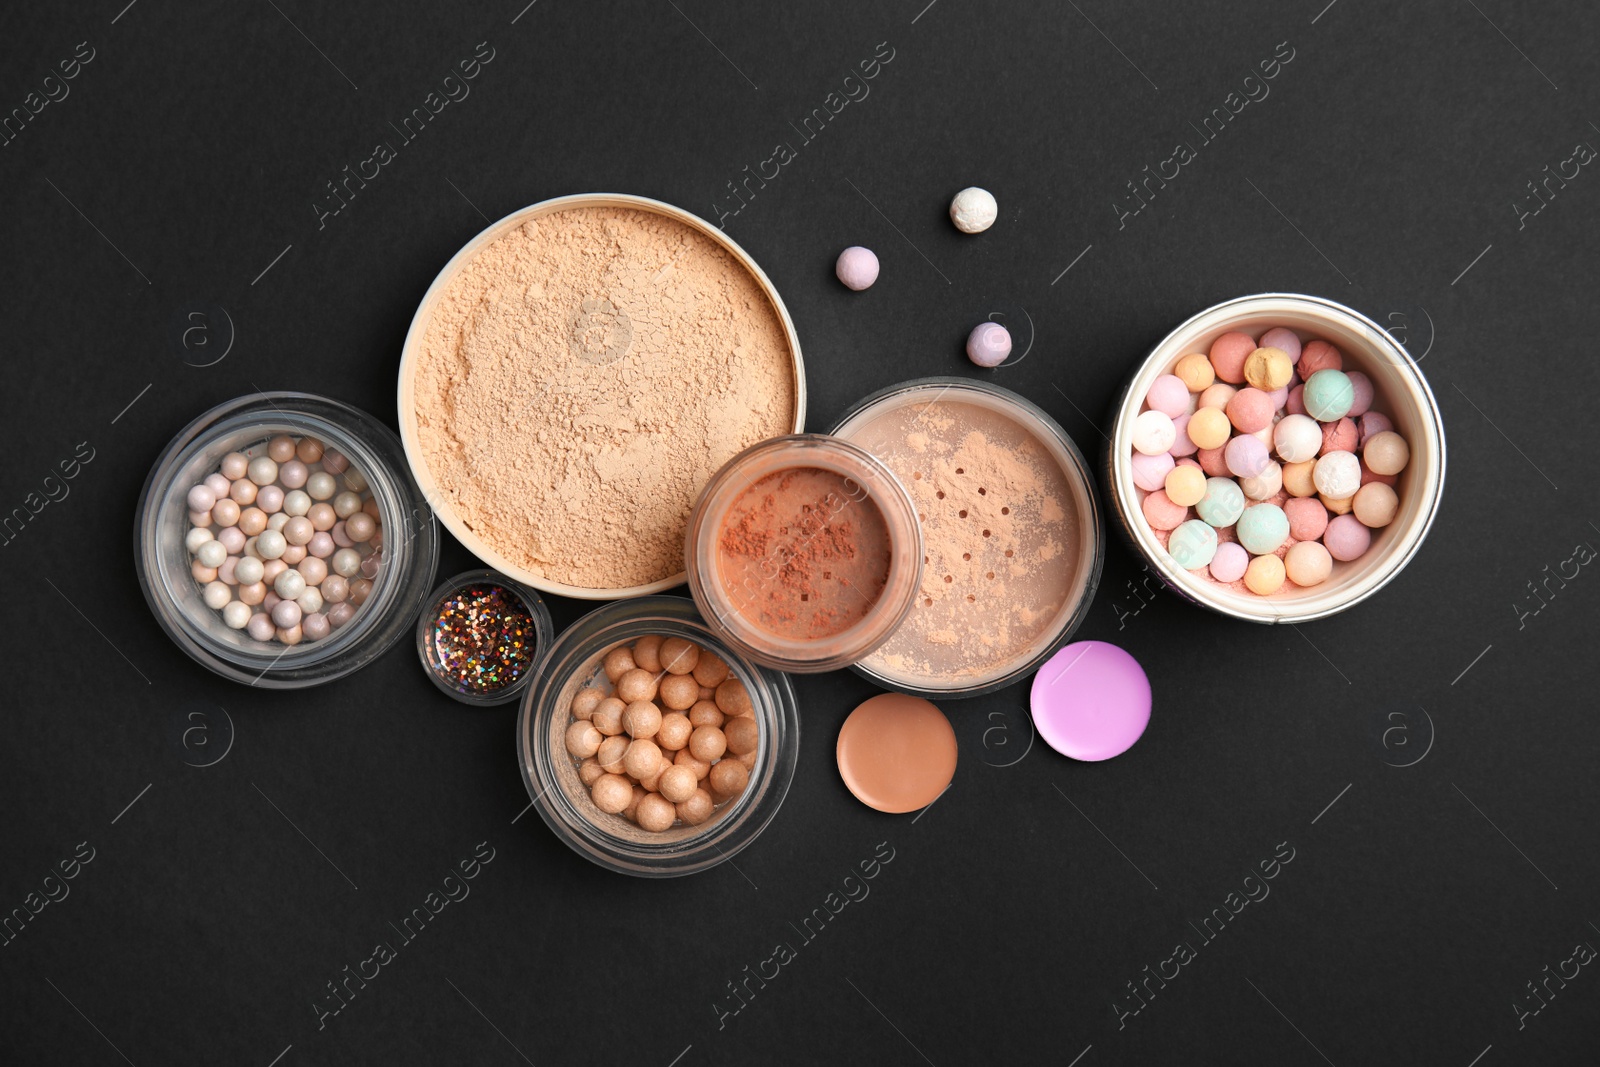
<point x="1091" y="701"/>
<point x="896" y="753"/>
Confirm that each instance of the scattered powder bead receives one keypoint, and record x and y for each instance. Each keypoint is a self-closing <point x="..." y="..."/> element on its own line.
<point x="1182" y="444"/>
<point x="1161" y="513"/>
<point x="1297" y="438"/>
<point x="1297" y="478"/>
<point x="989" y="344"/>
<point x="857" y="268"/>
<point x="974" y="210"/>
<point x="1216" y="396"/>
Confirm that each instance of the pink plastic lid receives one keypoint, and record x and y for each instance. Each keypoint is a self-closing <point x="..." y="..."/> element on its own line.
<point x="1091" y="701"/>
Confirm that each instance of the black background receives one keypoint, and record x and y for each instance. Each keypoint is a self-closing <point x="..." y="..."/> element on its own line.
<point x="1386" y="160"/>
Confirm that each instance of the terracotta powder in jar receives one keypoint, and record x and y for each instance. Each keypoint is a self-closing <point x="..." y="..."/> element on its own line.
<point x="1001" y="535"/>
<point x="580" y="379"/>
<point x="801" y="556"/>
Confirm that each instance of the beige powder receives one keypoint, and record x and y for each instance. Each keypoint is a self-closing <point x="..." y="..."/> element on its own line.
<point x="581" y="379"/>
<point x="1001" y="537"/>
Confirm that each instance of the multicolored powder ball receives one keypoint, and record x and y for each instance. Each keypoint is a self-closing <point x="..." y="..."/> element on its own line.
<point x="483" y="638"/>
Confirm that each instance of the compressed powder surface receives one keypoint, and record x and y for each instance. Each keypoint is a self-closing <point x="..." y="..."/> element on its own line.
<point x="580" y="380"/>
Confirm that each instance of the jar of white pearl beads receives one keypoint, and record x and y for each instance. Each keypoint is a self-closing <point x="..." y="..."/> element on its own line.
<point x="281" y="541"/>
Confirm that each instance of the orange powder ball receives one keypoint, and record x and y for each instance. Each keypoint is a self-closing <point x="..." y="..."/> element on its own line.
<point x="636" y="684"/>
<point x="706" y="713"/>
<point x="748" y="759"/>
<point x="1308" y="563"/>
<point x="678" y="784"/>
<point x="618" y="662"/>
<point x="655" y="813"/>
<point x="612" y="749"/>
<point x="733" y="699"/>
<point x="1297" y="478"/>
<point x="742" y="735"/>
<point x="1340" y="506"/>
<point x="1186" y="486"/>
<point x="700" y="767"/>
<point x="679" y="656"/>
<point x="1268" y="369"/>
<point x="633" y="803"/>
<point x="589" y="771"/>
<point x="607" y="717"/>
<point x="711" y="669"/>
<point x="641" y="719"/>
<point x="707" y="743"/>
<point x="647" y="653"/>
<point x="728" y="778"/>
<point x="1195" y="371"/>
<point x="583" y="740"/>
<point x="642" y="759"/>
<point x="1209" y="428"/>
<point x="1264" y="576"/>
<point x="679" y="691"/>
<point x="652" y="781"/>
<point x="585" y="702"/>
<point x="675" y="730"/>
<point x="697" y="809"/>
<point x="708" y="693"/>
<point x="611" y="793"/>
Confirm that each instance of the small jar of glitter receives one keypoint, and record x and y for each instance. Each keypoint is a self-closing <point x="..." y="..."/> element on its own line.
<point x="479" y="636"/>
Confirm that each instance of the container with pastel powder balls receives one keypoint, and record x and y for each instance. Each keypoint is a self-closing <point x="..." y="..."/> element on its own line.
<point x="804" y="552"/>
<point x="1011" y="532"/>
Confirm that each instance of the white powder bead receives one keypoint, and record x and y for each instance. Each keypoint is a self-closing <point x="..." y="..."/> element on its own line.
<point x="973" y="210"/>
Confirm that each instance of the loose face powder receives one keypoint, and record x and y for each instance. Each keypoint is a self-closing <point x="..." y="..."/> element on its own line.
<point x="804" y="554"/>
<point x="1008" y="550"/>
<point x="580" y="377"/>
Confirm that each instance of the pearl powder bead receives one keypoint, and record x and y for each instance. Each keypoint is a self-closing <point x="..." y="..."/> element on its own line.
<point x="217" y="595"/>
<point x="973" y="210"/>
<point x="335" y="589"/>
<point x="315" y="626"/>
<point x="313" y="570"/>
<point x="309" y="450"/>
<point x="263" y="470"/>
<point x="281" y="448"/>
<point x="988" y="344"/>
<point x="293" y="474"/>
<point x="340" y="614"/>
<point x="346" y="504"/>
<point x="360" y="527"/>
<point x="196" y="537"/>
<point x="296" y="502"/>
<point x="321" y="545"/>
<point x="248" y="570"/>
<point x="232" y="539"/>
<point x="243" y="492"/>
<point x="286" y="614"/>
<point x="252" y="593"/>
<point x="322" y="516"/>
<point x="270" y="499"/>
<point x="201" y="498"/>
<point x="334" y="462"/>
<point x="270" y="544"/>
<point x="212" y="553"/>
<point x="298" y="530"/>
<point x="310" y="601"/>
<point x="346" y="563"/>
<point x="278" y="521"/>
<point x="261" y="627"/>
<point x="234" y="465"/>
<point x="225" y="512"/>
<point x="354" y="482"/>
<point x="289" y="585"/>
<point x="291" y="636"/>
<point x="236" y="615"/>
<point x="321" y="485"/>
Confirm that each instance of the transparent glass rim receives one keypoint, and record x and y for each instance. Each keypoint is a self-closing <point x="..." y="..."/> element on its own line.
<point x="543" y="628"/>
<point x="1092" y="556"/>
<point x="374" y="450"/>
<point x="539" y="746"/>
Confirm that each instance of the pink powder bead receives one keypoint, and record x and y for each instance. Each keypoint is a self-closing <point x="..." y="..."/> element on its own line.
<point x="286" y="613"/>
<point x="272" y="568"/>
<point x="1228" y="354"/>
<point x="313" y="570"/>
<point x="1214" y="461"/>
<point x="1246" y="456"/>
<point x="1346" y="538"/>
<point x="1364" y="390"/>
<point x="340" y="537"/>
<point x="200" y="518"/>
<point x="1339" y="436"/>
<point x="1319" y="355"/>
<point x="1181" y="444"/>
<point x="292" y="554"/>
<point x="1374" y="422"/>
<point x="334" y="462"/>
<point x="321" y="545"/>
<point x="232" y="539"/>
<point x="270" y="601"/>
<point x="225" y="573"/>
<point x="201" y="498"/>
<point x="1308" y="519"/>
<point x="371" y="566"/>
<point x="1167" y="395"/>
<point x="1229" y="564"/>
<point x="1216" y="396"/>
<point x="270" y="499"/>
<point x="335" y="590"/>
<point x="340" y="614"/>
<point x="1149" y="472"/>
<point x="1283" y="339"/>
<point x="315" y="626"/>
<point x="1279" y="398"/>
<point x="1162" y="514"/>
<point x="293" y="474"/>
<point x="1368" y="476"/>
<point x="218" y="485"/>
<point x="1296" y="404"/>
<point x="1250" y="410"/>
<point x="260" y="627"/>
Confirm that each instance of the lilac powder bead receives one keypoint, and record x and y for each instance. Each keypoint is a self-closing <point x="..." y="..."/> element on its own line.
<point x="1150" y="472"/>
<point x="315" y="626"/>
<point x="1230" y="562"/>
<point x="260" y="627"/>
<point x="1374" y="422"/>
<point x="1283" y="339"/>
<point x="1182" y="445"/>
<point x="1246" y="456"/>
<point x="1346" y="538"/>
<point x="857" y="268"/>
<point x="988" y="344"/>
<point x="1102" y="709"/>
<point x="1364" y="393"/>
